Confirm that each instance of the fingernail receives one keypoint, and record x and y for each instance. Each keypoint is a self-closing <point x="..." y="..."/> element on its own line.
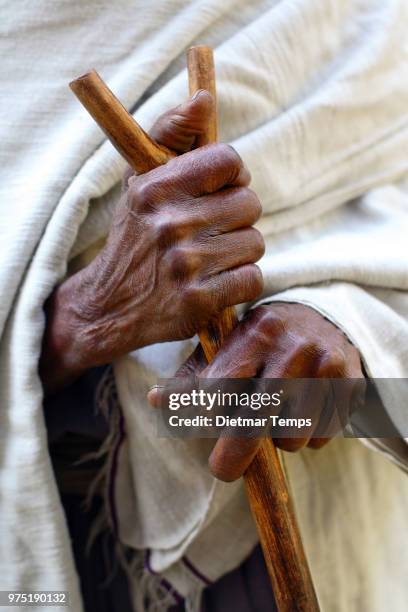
<point x="197" y="94"/>
<point x="153" y="396"/>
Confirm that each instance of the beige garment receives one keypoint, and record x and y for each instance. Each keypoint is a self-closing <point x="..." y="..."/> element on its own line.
<point x="352" y="522"/>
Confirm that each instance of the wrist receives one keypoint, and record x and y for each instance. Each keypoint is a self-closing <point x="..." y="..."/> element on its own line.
<point x="68" y="348"/>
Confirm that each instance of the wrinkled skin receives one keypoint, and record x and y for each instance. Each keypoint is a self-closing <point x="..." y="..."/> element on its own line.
<point x="281" y="340"/>
<point x="181" y="248"/>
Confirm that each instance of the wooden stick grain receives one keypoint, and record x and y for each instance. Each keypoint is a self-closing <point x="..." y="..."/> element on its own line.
<point x="279" y="534"/>
<point x="201" y="75"/>
<point x="264" y="479"/>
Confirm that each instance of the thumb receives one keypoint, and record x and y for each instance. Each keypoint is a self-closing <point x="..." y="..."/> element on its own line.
<point x="191" y="367"/>
<point x="179" y="127"/>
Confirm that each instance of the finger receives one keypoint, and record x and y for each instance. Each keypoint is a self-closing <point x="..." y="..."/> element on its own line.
<point x="213" y="215"/>
<point x="231" y="457"/>
<point x="332" y="363"/>
<point x="160" y="396"/>
<point x="202" y="171"/>
<point x="339" y="406"/>
<point x="237" y="358"/>
<point x="297" y="362"/>
<point x="227" y="210"/>
<point x="306" y="401"/>
<point x="220" y="253"/>
<point x="191" y="367"/>
<point x="300" y="361"/>
<point x="179" y="128"/>
<point x="342" y="393"/>
<point x="243" y="284"/>
<point x="194" y="364"/>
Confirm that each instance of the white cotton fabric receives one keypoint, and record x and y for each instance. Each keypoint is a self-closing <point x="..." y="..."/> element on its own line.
<point x="313" y="94"/>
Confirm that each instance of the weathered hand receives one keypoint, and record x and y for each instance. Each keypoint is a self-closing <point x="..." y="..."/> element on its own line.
<point x="181" y="248"/>
<point x="280" y="340"/>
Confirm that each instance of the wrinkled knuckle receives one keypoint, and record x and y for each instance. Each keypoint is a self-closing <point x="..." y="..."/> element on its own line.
<point x="309" y="348"/>
<point x="268" y="322"/>
<point x="166" y="231"/>
<point x="143" y="194"/>
<point x="182" y="262"/>
<point x="336" y="361"/>
<point x="324" y="357"/>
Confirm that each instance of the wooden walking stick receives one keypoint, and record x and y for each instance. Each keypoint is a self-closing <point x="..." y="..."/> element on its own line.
<point x="264" y="479"/>
<point x="265" y="482"/>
